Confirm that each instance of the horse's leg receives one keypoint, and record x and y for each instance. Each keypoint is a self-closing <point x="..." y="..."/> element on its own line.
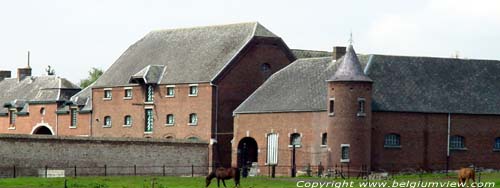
<point x="218" y="182"/>
<point x="223" y="183"/>
<point x="208" y="183"/>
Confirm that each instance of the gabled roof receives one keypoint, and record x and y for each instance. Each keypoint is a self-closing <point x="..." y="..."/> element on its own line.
<point x="350" y="69"/>
<point x="35" y="89"/>
<point x="191" y="55"/>
<point x="400" y="84"/>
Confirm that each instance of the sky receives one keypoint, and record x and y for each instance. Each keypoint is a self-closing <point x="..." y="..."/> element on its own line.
<point x="74" y="36"/>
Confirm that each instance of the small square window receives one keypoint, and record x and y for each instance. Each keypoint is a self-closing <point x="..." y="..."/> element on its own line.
<point x="128" y="93"/>
<point x="107" y="94"/>
<point x="170" y="91"/>
<point x="193" y="119"/>
<point x="193" y="90"/>
<point x="170" y="119"/>
<point x="107" y="121"/>
<point x="127" y="122"/>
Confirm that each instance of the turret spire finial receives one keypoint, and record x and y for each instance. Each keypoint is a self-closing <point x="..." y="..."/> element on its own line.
<point x="350" y="38"/>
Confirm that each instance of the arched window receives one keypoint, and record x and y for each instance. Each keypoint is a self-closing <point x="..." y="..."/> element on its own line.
<point x="107" y="121"/>
<point x="193" y="138"/>
<point x="295" y="139"/>
<point x="497" y="143"/>
<point x="324" y="140"/>
<point x="392" y="140"/>
<point x="170" y="119"/>
<point x="193" y="119"/>
<point x="457" y="142"/>
<point x="127" y="120"/>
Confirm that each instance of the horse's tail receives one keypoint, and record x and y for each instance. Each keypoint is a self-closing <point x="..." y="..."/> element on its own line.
<point x="237" y="176"/>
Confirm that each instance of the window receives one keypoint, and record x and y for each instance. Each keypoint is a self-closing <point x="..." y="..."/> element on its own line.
<point x="344" y="155"/>
<point x="265" y="68"/>
<point x="324" y="139"/>
<point x="457" y="142"/>
<point x="149" y="121"/>
<point x="107" y="121"/>
<point x="127" y="121"/>
<point x="73" y="117"/>
<point x="13" y="116"/>
<point x="193" y="138"/>
<point x="295" y="139"/>
<point x="149" y="93"/>
<point x="193" y="90"/>
<point x="42" y="111"/>
<point x="107" y="94"/>
<point x="193" y="119"/>
<point x="331" y="107"/>
<point x="497" y="143"/>
<point x="272" y="149"/>
<point x="170" y="91"/>
<point x="392" y="140"/>
<point x="170" y="119"/>
<point x="361" y="107"/>
<point x="128" y="93"/>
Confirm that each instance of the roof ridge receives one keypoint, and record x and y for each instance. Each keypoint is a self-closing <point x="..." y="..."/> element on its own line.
<point x="435" y="57"/>
<point x="204" y="26"/>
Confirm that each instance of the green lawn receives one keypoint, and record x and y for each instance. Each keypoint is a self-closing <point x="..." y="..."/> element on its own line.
<point x="188" y="182"/>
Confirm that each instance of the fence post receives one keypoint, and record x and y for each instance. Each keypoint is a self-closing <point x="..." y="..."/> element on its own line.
<point x="14" y="171"/>
<point x="75" y="170"/>
<point x="135" y="170"/>
<point x="192" y="170"/>
<point x="46" y="171"/>
<point x="163" y="170"/>
<point x="105" y="170"/>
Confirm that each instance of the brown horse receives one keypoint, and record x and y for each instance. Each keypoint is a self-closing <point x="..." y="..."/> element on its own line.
<point x="466" y="174"/>
<point x="224" y="174"/>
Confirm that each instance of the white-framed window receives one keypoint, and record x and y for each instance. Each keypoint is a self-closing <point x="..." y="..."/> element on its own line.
<point x="344" y="153"/>
<point x="127" y="121"/>
<point x="331" y="107"/>
<point x="295" y="139"/>
<point x="128" y="93"/>
<point x="150" y="93"/>
<point x="170" y="119"/>
<point x="108" y="94"/>
<point x="324" y="139"/>
<point x="12" y="117"/>
<point x="73" y="113"/>
<point x="193" y="119"/>
<point x="107" y="121"/>
<point x="148" y="126"/>
<point x="272" y="149"/>
<point x="392" y="140"/>
<point x="457" y="142"/>
<point x="170" y="91"/>
<point x="497" y="144"/>
<point x="193" y="89"/>
<point x="361" y="106"/>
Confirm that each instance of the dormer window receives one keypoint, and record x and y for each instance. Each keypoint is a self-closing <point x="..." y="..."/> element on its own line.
<point x="193" y="90"/>
<point x="331" y="107"/>
<point x="149" y="93"/>
<point x="361" y="107"/>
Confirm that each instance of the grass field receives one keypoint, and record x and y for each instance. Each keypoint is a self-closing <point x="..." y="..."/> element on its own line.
<point x="198" y="182"/>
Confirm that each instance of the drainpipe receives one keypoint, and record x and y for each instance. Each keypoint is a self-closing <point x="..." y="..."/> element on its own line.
<point x="448" y="145"/>
<point x="214" y="150"/>
<point x="57" y="122"/>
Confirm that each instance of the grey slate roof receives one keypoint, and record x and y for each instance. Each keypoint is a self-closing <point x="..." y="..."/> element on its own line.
<point x="191" y="55"/>
<point x="400" y="84"/>
<point x="151" y="74"/>
<point x="299" y="53"/>
<point x="34" y="89"/>
<point x="350" y="69"/>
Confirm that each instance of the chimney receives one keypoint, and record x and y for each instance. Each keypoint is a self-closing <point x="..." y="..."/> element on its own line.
<point x="24" y="72"/>
<point x="338" y="52"/>
<point x="4" y="74"/>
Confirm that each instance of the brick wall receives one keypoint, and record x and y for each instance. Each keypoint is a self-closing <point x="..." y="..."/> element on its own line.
<point x="31" y="153"/>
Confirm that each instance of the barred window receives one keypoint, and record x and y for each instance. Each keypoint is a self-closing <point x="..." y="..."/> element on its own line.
<point x="149" y="93"/>
<point x="149" y="121"/>
<point x="13" y="116"/>
<point x="127" y="120"/>
<point x="295" y="139"/>
<point x="392" y="140"/>
<point x="457" y="142"/>
<point x="73" y="117"/>
<point x="497" y="143"/>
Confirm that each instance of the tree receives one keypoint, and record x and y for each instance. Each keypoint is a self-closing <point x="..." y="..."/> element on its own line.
<point x="94" y="74"/>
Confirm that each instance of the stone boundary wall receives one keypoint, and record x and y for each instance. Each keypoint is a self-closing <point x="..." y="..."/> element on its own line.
<point x="32" y="153"/>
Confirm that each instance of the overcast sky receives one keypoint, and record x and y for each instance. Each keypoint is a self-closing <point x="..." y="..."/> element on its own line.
<point x="74" y="36"/>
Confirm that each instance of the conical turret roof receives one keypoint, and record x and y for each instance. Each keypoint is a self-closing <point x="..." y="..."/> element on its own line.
<point x="350" y="69"/>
